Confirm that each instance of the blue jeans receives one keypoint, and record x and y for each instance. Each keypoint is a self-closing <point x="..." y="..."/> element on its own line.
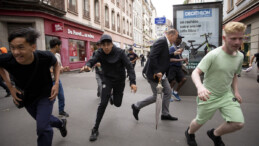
<point x="41" y="111"/>
<point x="61" y="97"/>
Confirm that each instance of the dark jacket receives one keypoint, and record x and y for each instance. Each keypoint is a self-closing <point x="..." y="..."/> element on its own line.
<point x="158" y="60"/>
<point x="113" y="65"/>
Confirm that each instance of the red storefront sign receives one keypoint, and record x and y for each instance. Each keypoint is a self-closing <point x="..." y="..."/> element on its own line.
<point x="57" y="27"/>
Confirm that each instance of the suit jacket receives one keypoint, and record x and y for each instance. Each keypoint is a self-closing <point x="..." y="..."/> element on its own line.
<point x="158" y="60"/>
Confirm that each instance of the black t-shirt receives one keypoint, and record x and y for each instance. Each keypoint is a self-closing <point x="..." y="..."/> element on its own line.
<point x="257" y="59"/>
<point x="132" y="56"/>
<point x="41" y="84"/>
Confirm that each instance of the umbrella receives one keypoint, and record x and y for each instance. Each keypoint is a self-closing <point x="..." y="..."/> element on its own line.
<point x="159" y="90"/>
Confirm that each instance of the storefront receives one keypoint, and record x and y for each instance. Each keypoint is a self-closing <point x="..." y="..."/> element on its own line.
<point x="76" y="42"/>
<point x="77" y="39"/>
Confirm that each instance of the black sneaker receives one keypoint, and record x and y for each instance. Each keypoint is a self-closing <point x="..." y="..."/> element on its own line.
<point x="135" y="111"/>
<point x="168" y="117"/>
<point x="63" y="113"/>
<point x="216" y="139"/>
<point x="94" y="135"/>
<point x="63" y="129"/>
<point x="190" y="138"/>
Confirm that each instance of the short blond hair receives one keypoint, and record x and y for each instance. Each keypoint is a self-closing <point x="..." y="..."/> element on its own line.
<point x="234" y="27"/>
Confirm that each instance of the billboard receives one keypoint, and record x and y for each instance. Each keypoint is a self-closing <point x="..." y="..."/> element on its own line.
<point x="201" y="26"/>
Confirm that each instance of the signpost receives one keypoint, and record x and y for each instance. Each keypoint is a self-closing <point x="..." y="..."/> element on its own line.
<point x="160" y="20"/>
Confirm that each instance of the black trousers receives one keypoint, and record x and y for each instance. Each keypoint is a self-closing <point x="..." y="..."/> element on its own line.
<point x="2" y="84"/>
<point x="107" y="87"/>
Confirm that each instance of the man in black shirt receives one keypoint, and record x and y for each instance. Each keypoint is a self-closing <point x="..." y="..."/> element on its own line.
<point x="133" y="57"/>
<point x="113" y="61"/>
<point x="30" y="69"/>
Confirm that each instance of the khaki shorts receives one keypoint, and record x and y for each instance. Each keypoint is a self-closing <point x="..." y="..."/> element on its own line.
<point x="230" y="110"/>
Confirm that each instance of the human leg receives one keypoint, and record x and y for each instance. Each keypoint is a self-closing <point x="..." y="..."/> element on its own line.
<point x="118" y="93"/>
<point x="2" y="84"/>
<point x="99" y="84"/>
<point x="61" y="100"/>
<point x="41" y="111"/>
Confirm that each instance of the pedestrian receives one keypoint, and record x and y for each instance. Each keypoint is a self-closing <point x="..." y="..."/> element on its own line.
<point x="133" y="57"/>
<point x="219" y="90"/>
<point x="176" y="73"/>
<point x="256" y="55"/>
<point x="55" y="47"/>
<point x="156" y="69"/>
<point x="3" y="50"/>
<point x="113" y="61"/>
<point x="33" y="84"/>
<point x="98" y="73"/>
<point x="142" y="59"/>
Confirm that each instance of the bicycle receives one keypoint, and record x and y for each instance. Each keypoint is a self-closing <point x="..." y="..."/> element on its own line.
<point x="194" y="50"/>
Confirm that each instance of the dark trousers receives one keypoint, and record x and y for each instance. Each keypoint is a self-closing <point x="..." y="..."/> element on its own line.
<point x="61" y="97"/>
<point x="108" y="86"/>
<point x="41" y="111"/>
<point x="2" y="84"/>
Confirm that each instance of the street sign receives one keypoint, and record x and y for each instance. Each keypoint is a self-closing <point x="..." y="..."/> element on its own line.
<point x="160" y="20"/>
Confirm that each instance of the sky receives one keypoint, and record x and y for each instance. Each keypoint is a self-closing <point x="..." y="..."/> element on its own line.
<point x="165" y="7"/>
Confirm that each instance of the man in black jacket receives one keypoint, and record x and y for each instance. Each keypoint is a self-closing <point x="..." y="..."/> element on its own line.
<point x="113" y="61"/>
<point x="156" y="69"/>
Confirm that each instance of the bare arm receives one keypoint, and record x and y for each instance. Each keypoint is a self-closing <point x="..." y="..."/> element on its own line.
<point x="55" y="87"/>
<point x="251" y="61"/>
<point x="12" y="89"/>
<point x="235" y="89"/>
<point x="203" y="93"/>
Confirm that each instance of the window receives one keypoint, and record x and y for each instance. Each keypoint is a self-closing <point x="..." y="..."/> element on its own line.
<point x="130" y="10"/>
<point x="72" y="6"/>
<point x="86" y="9"/>
<point x="130" y="28"/>
<point x="123" y="5"/>
<point x="123" y="25"/>
<point x="96" y="12"/>
<point x="77" y="50"/>
<point x="113" y="20"/>
<point x="106" y="16"/>
<point x="118" y="22"/>
<point x="127" y="27"/>
<point x="230" y="5"/>
<point x="118" y="3"/>
<point x="47" y="40"/>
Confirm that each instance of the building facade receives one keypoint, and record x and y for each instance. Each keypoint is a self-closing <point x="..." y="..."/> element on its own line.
<point x="245" y="11"/>
<point x="138" y="26"/>
<point x="72" y="21"/>
<point x="147" y="26"/>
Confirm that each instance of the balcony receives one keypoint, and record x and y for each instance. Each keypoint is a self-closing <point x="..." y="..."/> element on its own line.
<point x="55" y="7"/>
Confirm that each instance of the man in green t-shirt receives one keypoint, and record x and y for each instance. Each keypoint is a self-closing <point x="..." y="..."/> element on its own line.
<point x="219" y="89"/>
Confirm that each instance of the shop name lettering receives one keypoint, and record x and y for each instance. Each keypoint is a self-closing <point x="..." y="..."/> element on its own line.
<point x="197" y="13"/>
<point x="192" y="65"/>
<point x="69" y="31"/>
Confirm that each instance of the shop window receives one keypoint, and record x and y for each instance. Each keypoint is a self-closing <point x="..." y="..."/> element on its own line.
<point x="107" y="17"/>
<point x="96" y="11"/>
<point x="47" y="40"/>
<point x="72" y="6"/>
<point x="86" y="9"/>
<point x="77" y="50"/>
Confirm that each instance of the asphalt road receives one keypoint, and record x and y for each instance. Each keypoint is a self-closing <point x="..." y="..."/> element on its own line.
<point x="118" y="127"/>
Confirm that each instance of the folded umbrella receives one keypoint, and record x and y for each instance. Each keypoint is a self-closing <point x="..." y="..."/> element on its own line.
<point x="159" y="97"/>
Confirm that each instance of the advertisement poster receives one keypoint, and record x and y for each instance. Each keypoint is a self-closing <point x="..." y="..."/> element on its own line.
<point x="200" y="26"/>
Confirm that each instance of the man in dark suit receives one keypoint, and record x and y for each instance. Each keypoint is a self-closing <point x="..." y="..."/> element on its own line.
<point x="156" y="69"/>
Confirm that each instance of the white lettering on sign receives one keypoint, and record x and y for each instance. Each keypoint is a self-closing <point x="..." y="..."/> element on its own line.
<point x="74" y="32"/>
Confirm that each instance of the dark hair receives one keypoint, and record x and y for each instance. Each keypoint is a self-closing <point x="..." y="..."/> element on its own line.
<point x="30" y="35"/>
<point x="54" y="42"/>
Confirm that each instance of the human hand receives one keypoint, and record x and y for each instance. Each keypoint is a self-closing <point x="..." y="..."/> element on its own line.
<point x="54" y="91"/>
<point x="133" y="88"/>
<point x="203" y="93"/>
<point x="13" y="92"/>
<point x="98" y="64"/>
<point x="250" y="64"/>
<point x="238" y="97"/>
<point x="159" y="75"/>
<point x="85" y="68"/>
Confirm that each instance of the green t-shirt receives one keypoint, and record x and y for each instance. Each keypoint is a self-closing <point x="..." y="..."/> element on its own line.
<point x="219" y="69"/>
